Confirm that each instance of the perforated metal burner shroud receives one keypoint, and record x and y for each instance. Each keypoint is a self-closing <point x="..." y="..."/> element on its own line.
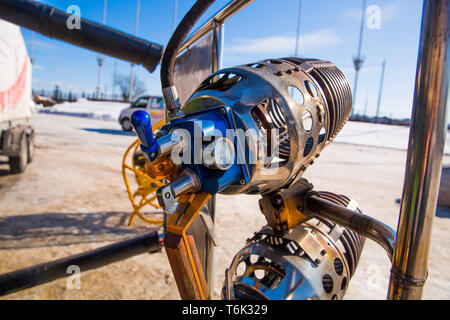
<point x="291" y="107"/>
<point x="314" y="260"/>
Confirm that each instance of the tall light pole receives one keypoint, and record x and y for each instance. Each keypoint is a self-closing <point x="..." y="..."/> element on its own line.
<point x="175" y="13"/>
<point x="130" y="95"/>
<point x="31" y="56"/>
<point x="100" y="58"/>
<point x="114" y="80"/>
<point x="358" y="60"/>
<point x="297" y="39"/>
<point x="366" y="103"/>
<point x="31" y="45"/>
<point x="381" y="89"/>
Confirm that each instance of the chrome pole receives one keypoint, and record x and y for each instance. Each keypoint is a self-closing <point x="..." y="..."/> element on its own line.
<point x="221" y="44"/>
<point x="218" y="29"/>
<point x="217" y="47"/>
<point x="424" y="159"/>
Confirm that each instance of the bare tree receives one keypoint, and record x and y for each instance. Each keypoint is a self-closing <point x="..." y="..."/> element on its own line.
<point x="123" y="82"/>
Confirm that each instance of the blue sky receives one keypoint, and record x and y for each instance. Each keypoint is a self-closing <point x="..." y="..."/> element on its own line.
<point x="264" y="29"/>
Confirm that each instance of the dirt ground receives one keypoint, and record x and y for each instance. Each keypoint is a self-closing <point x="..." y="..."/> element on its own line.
<point x="72" y="199"/>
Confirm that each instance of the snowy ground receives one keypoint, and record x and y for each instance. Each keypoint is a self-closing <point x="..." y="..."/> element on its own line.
<point x="103" y="110"/>
<point x="378" y="135"/>
<point x="72" y="199"/>
<point x="355" y="133"/>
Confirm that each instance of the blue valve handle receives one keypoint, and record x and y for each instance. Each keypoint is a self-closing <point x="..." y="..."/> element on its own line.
<point x="143" y="126"/>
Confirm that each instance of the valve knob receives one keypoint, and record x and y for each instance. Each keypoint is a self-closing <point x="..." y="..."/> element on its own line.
<point x="143" y="126"/>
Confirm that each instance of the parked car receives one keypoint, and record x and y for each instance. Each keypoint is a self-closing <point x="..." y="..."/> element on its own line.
<point x="153" y="105"/>
<point x="45" y="101"/>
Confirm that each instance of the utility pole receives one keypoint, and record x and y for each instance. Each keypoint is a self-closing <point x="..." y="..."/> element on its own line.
<point x="114" y="79"/>
<point x="31" y="45"/>
<point x="31" y="56"/>
<point x="358" y="60"/>
<point x="175" y="13"/>
<point x="297" y="39"/>
<point x="366" y="103"/>
<point x="130" y="95"/>
<point x="381" y="89"/>
<point x="100" y="58"/>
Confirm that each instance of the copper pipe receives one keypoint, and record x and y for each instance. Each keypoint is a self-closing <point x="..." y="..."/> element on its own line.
<point x="424" y="159"/>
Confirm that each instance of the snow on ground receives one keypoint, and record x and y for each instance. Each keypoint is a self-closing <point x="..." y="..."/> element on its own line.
<point x="356" y="133"/>
<point x="104" y="110"/>
<point x="378" y="135"/>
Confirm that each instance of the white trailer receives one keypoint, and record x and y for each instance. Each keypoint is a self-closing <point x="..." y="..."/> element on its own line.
<point x="16" y="135"/>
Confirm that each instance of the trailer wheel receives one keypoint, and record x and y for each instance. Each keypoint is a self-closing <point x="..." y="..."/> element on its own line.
<point x="19" y="163"/>
<point x="30" y="147"/>
<point x="126" y="124"/>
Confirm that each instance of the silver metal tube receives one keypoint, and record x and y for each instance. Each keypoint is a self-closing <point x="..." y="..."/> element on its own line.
<point x="187" y="182"/>
<point x="169" y="142"/>
<point x="220" y="45"/>
<point x="424" y="159"/>
<point x="222" y="15"/>
<point x="217" y="64"/>
<point x="364" y="225"/>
